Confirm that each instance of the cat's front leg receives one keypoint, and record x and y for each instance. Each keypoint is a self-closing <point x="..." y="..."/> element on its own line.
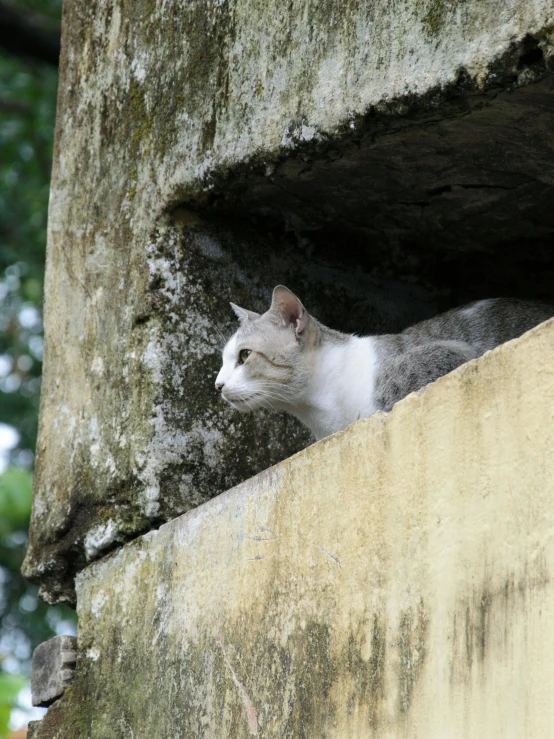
<point x="416" y="368"/>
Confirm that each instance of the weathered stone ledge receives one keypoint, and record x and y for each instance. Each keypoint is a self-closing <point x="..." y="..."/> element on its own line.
<point x="394" y="580"/>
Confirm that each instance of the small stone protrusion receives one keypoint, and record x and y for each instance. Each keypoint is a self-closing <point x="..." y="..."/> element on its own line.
<point x="33" y="729"/>
<point x="53" y="669"/>
<point x="547" y="46"/>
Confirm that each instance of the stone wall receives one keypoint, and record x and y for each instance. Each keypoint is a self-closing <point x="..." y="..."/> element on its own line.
<point x="394" y="580"/>
<point x="385" y="160"/>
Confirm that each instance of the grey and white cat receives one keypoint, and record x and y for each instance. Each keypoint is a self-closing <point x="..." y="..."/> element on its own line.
<point x="286" y="360"/>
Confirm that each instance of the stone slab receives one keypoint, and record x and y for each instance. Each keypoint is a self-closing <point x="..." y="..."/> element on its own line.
<point x="394" y="580"/>
<point x="53" y="669"/>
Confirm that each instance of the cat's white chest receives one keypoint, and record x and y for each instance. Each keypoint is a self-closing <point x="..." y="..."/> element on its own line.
<point x="342" y="387"/>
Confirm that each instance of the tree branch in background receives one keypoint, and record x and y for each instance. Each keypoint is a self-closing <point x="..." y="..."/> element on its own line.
<point x="19" y="37"/>
<point x="15" y="107"/>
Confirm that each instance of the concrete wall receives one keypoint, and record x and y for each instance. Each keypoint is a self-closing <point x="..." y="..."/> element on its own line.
<point x="394" y="580"/>
<point x="374" y="116"/>
<point x="385" y="160"/>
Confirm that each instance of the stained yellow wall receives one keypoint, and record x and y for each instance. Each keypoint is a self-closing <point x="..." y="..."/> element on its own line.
<point x="394" y="580"/>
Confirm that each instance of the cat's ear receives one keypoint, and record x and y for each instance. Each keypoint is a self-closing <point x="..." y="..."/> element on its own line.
<point x="286" y="307"/>
<point x="244" y="315"/>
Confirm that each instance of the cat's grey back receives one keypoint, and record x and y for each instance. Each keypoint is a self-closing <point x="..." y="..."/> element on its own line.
<point x="408" y="361"/>
<point x="483" y="324"/>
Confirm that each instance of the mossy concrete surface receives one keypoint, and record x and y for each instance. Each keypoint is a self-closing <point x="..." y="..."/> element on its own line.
<point x="394" y="580"/>
<point x="160" y="103"/>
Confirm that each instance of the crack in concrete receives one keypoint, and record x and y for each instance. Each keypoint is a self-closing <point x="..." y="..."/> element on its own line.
<point x="332" y="556"/>
<point x="250" y="710"/>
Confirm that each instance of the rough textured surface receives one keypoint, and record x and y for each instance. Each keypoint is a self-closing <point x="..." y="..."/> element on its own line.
<point x="53" y="669"/>
<point x="394" y="580"/>
<point x="168" y="113"/>
<point x="32" y="729"/>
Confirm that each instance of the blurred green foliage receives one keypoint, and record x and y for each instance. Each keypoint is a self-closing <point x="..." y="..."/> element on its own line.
<point x="27" y="115"/>
<point x="27" y="110"/>
<point x="25" y="621"/>
<point x="10" y="685"/>
<point x="15" y="501"/>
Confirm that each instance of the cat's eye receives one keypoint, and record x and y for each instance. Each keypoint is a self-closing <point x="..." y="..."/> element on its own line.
<point x="243" y="355"/>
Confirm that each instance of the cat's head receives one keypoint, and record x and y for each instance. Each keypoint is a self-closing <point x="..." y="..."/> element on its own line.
<point x="267" y="362"/>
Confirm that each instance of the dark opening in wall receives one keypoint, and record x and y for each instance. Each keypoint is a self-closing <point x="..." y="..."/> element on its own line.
<point x="432" y="208"/>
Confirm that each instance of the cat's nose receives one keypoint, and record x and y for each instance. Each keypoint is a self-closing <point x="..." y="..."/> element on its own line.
<point x="219" y="386"/>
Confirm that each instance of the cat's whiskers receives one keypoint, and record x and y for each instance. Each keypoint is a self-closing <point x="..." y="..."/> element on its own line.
<point x="265" y="402"/>
<point x="269" y="390"/>
<point x="261" y="395"/>
<point x="267" y="405"/>
<point x="271" y="393"/>
<point x="243" y="399"/>
<point x="248" y="404"/>
<point x="269" y="386"/>
<point x="224" y="338"/>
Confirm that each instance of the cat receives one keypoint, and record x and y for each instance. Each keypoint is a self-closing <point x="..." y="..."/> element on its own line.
<point x="286" y="360"/>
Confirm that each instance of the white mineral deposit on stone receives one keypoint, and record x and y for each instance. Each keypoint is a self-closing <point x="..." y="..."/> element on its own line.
<point x="97" y="366"/>
<point x="308" y="133"/>
<point x="286" y="140"/>
<point x="94" y="453"/>
<point x="100" y="537"/>
<point x="151" y="356"/>
<point x="41" y="507"/>
<point x="97" y="297"/>
<point x="206" y="167"/>
<point x="212" y="438"/>
<point x="97" y="603"/>
<point x="151" y="500"/>
<point x="138" y="69"/>
<point x="63" y="410"/>
<point x="93" y="653"/>
<point x="166" y="446"/>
